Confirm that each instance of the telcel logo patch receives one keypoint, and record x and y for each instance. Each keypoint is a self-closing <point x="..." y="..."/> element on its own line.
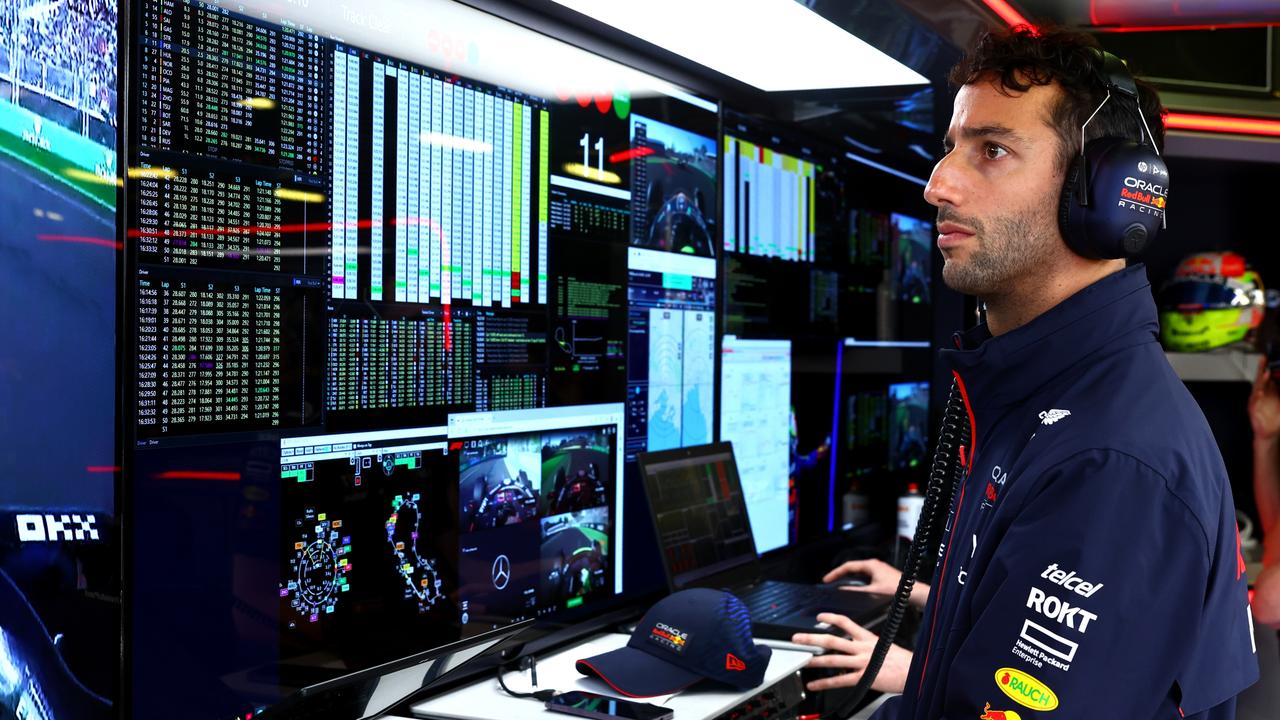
<point x="56" y="528"/>
<point x="1069" y="581"/>
<point x="1025" y="690"/>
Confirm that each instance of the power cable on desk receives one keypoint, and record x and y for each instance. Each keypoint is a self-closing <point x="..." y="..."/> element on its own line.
<point x="530" y="664"/>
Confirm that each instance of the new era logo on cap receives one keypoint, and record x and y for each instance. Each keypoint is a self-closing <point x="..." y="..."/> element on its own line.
<point x="688" y="636"/>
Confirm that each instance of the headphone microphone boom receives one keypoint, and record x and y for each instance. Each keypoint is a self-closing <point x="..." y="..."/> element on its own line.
<point x="1113" y="199"/>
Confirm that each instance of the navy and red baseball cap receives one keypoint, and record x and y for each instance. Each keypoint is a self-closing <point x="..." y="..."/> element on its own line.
<point x="688" y="636"/>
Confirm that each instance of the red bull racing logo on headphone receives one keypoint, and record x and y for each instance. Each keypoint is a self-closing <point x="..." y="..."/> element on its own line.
<point x="1143" y="196"/>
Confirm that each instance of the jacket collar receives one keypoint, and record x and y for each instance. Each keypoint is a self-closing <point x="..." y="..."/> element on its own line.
<point x="999" y="372"/>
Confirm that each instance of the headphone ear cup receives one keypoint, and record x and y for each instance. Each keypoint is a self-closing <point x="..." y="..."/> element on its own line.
<point x="1068" y="213"/>
<point x="1127" y="186"/>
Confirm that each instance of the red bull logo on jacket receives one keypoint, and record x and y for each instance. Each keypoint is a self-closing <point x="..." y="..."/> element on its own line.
<point x="989" y="714"/>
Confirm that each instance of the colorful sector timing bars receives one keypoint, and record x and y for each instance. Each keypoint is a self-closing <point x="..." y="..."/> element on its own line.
<point x="459" y="201"/>
<point x="769" y="202"/>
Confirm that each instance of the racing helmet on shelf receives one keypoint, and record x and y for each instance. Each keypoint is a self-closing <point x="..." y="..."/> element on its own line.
<point x="1213" y="300"/>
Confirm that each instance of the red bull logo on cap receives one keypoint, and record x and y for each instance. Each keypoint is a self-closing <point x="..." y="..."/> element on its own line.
<point x="989" y="714"/>
<point x="1025" y="690"/>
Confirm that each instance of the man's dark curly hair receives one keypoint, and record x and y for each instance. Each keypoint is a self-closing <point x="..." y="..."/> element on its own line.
<point x="1021" y="57"/>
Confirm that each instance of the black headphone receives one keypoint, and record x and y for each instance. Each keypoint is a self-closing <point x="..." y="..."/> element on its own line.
<point x="1113" y="199"/>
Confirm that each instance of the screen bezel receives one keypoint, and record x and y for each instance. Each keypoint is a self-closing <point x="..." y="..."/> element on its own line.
<point x="374" y="691"/>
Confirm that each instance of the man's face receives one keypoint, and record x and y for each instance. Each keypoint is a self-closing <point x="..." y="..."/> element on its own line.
<point x="997" y="189"/>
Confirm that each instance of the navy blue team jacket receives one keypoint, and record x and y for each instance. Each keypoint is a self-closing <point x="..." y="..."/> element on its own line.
<point x="1091" y="567"/>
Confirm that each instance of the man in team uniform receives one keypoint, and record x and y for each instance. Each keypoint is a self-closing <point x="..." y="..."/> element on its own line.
<point x="1091" y="563"/>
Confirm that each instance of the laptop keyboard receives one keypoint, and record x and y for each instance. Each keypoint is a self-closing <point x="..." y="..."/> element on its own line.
<point x="772" y="600"/>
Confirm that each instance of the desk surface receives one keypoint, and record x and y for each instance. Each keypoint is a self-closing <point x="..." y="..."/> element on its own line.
<point x="484" y="700"/>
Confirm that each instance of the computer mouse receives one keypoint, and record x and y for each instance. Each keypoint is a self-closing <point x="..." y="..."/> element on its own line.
<point x="851" y="580"/>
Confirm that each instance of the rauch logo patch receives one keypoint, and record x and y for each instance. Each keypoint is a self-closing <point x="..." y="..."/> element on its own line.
<point x="1025" y="690"/>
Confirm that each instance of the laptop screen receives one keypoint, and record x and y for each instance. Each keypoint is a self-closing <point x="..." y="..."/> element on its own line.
<point x="699" y="511"/>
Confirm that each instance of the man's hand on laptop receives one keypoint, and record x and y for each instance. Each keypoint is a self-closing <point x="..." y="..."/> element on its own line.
<point x="878" y="578"/>
<point x="851" y="655"/>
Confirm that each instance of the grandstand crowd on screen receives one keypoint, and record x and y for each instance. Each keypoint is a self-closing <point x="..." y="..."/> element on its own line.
<point x="65" y="49"/>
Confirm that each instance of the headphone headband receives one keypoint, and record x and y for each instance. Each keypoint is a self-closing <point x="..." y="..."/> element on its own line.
<point x="1116" y="76"/>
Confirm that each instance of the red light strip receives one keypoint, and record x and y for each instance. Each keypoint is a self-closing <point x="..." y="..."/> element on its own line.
<point x="1173" y="121"/>
<point x="199" y="475"/>
<point x="102" y="468"/>
<point x="1163" y="28"/>
<point x="632" y="154"/>
<point x="101" y="242"/>
<point x="250" y="229"/>
<point x="287" y="229"/>
<point x="1007" y="13"/>
<point x="1222" y="124"/>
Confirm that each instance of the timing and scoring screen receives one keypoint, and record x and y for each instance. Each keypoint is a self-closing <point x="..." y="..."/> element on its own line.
<point x="698" y="510"/>
<point x="378" y="287"/>
<point x="757" y="420"/>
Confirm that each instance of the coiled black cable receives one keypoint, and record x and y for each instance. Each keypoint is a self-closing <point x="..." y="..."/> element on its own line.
<point x="944" y="477"/>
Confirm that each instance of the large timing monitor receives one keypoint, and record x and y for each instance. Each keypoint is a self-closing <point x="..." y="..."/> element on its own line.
<point x="59" y="552"/>
<point x="784" y="219"/>
<point x="337" y="553"/>
<point x="406" y="284"/>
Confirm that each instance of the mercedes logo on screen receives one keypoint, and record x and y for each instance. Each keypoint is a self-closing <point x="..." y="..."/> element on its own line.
<point x="501" y="572"/>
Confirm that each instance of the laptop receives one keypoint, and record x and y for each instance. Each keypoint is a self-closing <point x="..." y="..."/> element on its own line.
<point x="704" y="532"/>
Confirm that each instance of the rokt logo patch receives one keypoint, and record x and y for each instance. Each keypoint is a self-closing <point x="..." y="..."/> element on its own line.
<point x="1025" y="689"/>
